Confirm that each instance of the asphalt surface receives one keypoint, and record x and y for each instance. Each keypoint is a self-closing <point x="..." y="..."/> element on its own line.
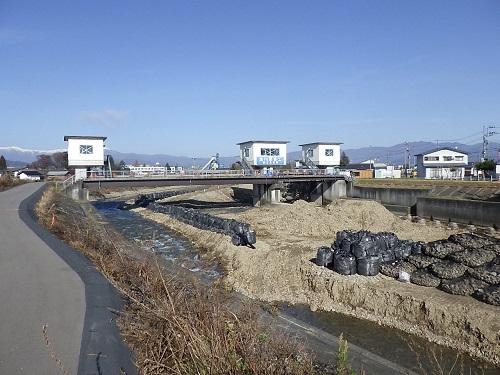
<point x="46" y="283"/>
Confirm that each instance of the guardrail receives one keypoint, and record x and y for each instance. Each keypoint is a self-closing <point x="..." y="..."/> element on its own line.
<point x="197" y="173"/>
<point x="61" y="185"/>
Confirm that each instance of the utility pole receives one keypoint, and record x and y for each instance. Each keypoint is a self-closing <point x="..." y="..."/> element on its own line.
<point x="407" y="159"/>
<point x="371" y="161"/>
<point x="487" y="133"/>
<point x="409" y="156"/>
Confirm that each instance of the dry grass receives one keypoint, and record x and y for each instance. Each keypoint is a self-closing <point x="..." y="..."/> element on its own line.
<point x="434" y="361"/>
<point x="175" y="325"/>
<point x="7" y="182"/>
<point x="188" y="330"/>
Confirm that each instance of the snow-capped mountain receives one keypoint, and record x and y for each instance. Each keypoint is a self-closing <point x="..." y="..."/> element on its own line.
<point x="17" y="156"/>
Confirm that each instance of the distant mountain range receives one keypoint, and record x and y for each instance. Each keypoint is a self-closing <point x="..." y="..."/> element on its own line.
<point x="394" y="155"/>
<point x="19" y="157"/>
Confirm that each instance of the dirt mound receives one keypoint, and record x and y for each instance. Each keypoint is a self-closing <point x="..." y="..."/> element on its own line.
<point x="307" y="219"/>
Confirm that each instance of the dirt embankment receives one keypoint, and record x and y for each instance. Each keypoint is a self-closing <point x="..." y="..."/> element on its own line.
<point x="279" y="268"/>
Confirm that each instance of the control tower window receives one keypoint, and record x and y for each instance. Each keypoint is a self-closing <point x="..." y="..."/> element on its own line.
<point x="86" y="149"/>
<point x="270" y="152"/>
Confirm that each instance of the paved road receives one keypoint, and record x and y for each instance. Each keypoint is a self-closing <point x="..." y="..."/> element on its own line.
<point x="43" y="281"/>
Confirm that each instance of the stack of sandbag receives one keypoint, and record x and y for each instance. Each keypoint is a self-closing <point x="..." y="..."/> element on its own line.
<point x="463" y="264"/>
<point x="143" y="200"/>
<point x="240" y="233"/>
<point x="363" y="252"/>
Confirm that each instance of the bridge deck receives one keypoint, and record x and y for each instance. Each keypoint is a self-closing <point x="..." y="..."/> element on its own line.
<point x="202" y="180"/>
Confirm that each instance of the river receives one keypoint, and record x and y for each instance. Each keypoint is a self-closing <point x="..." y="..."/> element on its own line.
<point x="390" y="344"/>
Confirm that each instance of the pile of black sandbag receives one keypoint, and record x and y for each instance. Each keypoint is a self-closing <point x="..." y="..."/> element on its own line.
<point x="464" y="264"/>
<point x="363" y="252"/>
<point x="143" y="200"/>
<point x="241" y="234"/>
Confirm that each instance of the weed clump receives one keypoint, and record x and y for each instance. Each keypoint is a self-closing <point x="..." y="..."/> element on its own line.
<point x="342" y="363"/>
<point x="7" y="182"/>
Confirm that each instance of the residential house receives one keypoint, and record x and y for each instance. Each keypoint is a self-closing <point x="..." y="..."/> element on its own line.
<point x="29" y="174"/>
<point x="442" y="163"/>
<point x="58" y="175"/>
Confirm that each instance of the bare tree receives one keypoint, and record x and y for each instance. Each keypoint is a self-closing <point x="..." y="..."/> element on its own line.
<point x="43" y="162"/>
<point x="60" y="160"/>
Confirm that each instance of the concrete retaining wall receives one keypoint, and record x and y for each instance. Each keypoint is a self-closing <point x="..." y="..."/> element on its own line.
<point x="326" y="192"/>
<point x="458" y="210"/>
<point x="461" y="211"/>
<point x="335" y="190"/>
<point x="266" y="193"/>
<point x="388" y="196"/>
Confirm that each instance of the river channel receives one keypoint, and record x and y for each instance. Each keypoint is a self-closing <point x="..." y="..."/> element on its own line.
<point x="388" y="343"/>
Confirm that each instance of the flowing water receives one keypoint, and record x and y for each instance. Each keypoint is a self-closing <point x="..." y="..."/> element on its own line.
<point x="156" y="238"/>
<point x="387" y="343"/>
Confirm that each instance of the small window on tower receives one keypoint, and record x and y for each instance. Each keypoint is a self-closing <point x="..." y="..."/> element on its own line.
<point x="86" y="149"/>
<point x="270" y="152"/>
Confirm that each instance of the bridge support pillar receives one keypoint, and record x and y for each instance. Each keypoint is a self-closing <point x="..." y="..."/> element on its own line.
<point x="77" y="191"/>
<point x="265" y="194"/>
<point x="326" y="192"/>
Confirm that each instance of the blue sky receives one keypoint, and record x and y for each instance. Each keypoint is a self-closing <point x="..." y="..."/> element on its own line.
<point x="193" y="78"/>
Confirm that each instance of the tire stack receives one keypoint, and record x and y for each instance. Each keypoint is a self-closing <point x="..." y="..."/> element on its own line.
<point x="464" y="264"/>
<point x="240" y="233"/>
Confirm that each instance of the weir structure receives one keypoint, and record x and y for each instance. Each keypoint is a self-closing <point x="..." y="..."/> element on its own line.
<point x="321" y="188"/>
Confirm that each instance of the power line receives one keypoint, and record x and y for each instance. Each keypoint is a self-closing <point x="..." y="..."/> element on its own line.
<point x="487" y="133"/>
<point x="459" y="139"/>
<point x="477" y="140"/>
